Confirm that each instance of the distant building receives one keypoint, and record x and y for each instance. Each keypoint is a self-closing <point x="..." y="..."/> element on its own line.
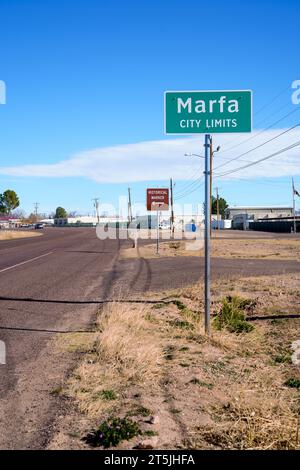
<point x="47" y="221"/>
<point x="85" y="220"/>
<point x="7" y="221"/>
<point x="258" y="212"/>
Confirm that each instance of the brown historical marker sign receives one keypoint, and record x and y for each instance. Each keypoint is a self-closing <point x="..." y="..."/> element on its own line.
<point x="157" y="199"/>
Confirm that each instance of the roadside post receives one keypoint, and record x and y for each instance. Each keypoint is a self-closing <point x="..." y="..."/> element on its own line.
<point x="157" y="200"/>
<point x="207" y="205"/>
<point x="207" y="112"/>
<point x="157" y="231"/>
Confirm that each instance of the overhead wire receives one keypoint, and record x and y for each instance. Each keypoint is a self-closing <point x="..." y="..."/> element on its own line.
<point x="279" y="152"/>
<point x="259" y="146"/>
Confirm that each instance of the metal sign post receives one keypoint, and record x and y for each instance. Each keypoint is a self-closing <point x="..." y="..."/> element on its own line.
<point x="157" y="200"/>
<point x="207" y="235"/>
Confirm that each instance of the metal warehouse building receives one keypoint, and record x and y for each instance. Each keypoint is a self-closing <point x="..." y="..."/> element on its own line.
<point x="258" y="212"/>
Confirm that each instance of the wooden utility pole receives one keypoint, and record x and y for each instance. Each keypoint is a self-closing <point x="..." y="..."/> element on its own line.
<point x="211" y="171"/>
<point x="218" y="211"/>
<point x="36" y="208"/>
<point x="211" y="154"/>
<point x="172" y="207"/>
<point x="129" y="206"/>
<point x="96" y="205"/>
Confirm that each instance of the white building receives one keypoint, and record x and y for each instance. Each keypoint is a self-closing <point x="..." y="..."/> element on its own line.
<point x="86" y="220"/>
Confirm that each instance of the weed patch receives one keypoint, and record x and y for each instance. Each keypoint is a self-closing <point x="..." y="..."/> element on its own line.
<point x="111" y="432"/>
<point x="108" y="395"/>
<point x="232" y="316"/>
<point x="196" y="381"/>
<point x="292" y="382"/>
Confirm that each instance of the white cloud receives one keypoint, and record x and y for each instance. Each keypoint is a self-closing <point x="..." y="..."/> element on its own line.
<point x="158" y="160"/>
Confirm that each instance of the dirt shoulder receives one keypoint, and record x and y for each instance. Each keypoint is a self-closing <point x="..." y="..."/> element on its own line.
<point x="150" y="364"/>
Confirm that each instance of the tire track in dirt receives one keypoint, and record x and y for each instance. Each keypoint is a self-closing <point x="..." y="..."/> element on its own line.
<point x="142" y="264"/>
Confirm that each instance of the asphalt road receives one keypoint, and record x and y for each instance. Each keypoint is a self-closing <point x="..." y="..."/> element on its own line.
<point x="55" y="283"/>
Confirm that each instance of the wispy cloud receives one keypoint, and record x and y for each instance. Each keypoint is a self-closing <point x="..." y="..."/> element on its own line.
<point x="158" y="160"/>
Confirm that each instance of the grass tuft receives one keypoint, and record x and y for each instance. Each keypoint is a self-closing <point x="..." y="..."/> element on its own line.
<point x="232" y="316"/>
<point x="292" y="382"/>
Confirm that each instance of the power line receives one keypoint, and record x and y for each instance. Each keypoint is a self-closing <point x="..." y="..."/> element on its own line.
<point x="262" y="109"/>
<point x="263" y="130"/>
<point x="199" y="184"/>
<point x="254" y="181"/>
<point x="290" y="147"/>
<point x="181" y="186"/>
<point x="184" y="187"/>
<point x="188" y="186"/>
<point x="286" y="105"/>
<point x="259" y="146"/>
<point x="272" y="100"/>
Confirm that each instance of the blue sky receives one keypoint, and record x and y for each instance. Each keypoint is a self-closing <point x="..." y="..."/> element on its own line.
<point x="87" y="75"/>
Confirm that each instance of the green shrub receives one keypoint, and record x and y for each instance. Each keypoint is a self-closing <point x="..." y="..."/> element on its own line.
<point x="201" y="383"/>
<point x="283" y="358"/>
<point x="143" y="411"/>
<point x="292" y="382"/>
<point x="183" y="324"/>
<point x="108" y="395"/>
<point x="232" y="316"/>
<point x="180" y="305"/>
<point x="158" y="306"/>
<point x="111" y="432"/>
<point x="174" y="245"/>
<point x="150" y="433"/>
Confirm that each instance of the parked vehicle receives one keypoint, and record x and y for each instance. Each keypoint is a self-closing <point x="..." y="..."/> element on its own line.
<point x="39" y="226"/>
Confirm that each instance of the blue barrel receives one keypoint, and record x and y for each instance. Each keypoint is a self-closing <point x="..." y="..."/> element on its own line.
<point x="190" y="228"/>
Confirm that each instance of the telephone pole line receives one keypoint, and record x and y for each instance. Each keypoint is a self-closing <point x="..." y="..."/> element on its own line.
<point x="96" y="205"/>
<point x="294" y="206"/>
<point x="36" y="208"/>
<point x="211" y="154"/>
<point x="129" y="206"/>
<point x="172" y="207"/>
<point x="218" y="210"/>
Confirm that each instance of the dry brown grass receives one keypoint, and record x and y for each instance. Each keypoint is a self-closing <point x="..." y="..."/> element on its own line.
<point x="124" y="352"/>
<point x="226" y="392"/>
<point x="256" y="411"/>
<point x="12" y="235"/>
<point x="126" y="341"/>
<point x="222" y="247"/>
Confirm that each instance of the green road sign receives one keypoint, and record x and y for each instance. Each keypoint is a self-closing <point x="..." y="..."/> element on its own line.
<point x="202" y="112"/>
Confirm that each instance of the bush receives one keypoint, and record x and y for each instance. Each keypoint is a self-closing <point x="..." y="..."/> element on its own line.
<point x="232" y="316"/>
<point x="292" y="382"/>
<point x="111" y="432"/>
<point x="108" y="395"/>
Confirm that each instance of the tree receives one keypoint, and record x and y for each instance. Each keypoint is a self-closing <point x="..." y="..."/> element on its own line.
<point x="31" y="219"/>
<point x="8" y="201"/>
<point x="18" y="214"/>
<point x="222" y="206"/>
<point x="73" y="214"/>
<point x="60" y="213"/>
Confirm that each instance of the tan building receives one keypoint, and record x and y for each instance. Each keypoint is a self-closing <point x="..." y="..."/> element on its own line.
<point x="258" y="212"/>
